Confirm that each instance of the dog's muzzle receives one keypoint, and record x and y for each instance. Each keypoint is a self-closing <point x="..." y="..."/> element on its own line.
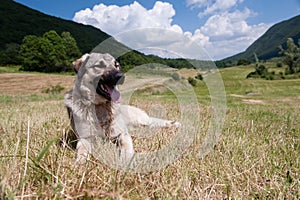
<point x="107" y="86"/>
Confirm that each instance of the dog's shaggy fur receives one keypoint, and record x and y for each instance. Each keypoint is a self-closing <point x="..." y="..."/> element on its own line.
<point x="94" y="107"/>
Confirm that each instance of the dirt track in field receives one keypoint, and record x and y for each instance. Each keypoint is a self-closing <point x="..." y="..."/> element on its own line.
<point x="22" y="84"/>
<point x="14" y="83"/>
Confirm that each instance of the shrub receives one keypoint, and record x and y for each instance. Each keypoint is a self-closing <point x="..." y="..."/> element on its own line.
<point x="54" y="89"/>
<point x="192" y="81"/>
<point x="199" y="77"/>
<point x="175" y="76"/>
<point x="270" y="77"/>
<point x="279" y="64"/>
<point x="260" y="72"/>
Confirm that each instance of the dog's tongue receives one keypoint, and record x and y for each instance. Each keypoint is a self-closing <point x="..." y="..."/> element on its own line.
<point x="114" y="93"/>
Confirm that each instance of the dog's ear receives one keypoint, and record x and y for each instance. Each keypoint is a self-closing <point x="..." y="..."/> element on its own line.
<point x="77" y="63"/>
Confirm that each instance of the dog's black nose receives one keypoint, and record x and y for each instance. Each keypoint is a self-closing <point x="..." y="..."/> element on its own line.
<point x="120" y="78"/>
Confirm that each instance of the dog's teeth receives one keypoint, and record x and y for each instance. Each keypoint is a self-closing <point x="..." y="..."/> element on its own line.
<point x="102" y="87"/>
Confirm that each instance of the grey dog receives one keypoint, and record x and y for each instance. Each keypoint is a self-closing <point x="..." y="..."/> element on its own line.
<point x="95" y="110"/>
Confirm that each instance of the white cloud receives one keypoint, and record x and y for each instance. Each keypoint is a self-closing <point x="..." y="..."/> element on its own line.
<point x="229" y="33"/>
<point x="140" y="28"/>
<point x="225" y="32"/>
<point x="114" y="19"/>
<point x="198" y="3"/>
<point x="227" y="25"/>
<point x="226" y="46"/>
<point x="212" y="6"/>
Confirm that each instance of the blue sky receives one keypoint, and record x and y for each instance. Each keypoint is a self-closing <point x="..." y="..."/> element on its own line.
<point x="221" y="27"/>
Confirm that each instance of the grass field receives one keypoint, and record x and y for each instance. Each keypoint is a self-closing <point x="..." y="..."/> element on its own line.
<point x="256" y="157"/>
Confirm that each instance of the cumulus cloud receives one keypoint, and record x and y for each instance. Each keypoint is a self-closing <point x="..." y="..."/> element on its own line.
<point x="225" y="32"/>
<point x="114" y="19"/>
<point x="234" y="42"/>
<point x="226" y="26"/>
<point x="142" y="29"/>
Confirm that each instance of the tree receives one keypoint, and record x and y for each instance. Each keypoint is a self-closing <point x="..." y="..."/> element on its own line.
<point x="48" y="53"/>
<point x="291" y="56"/>
<point x="70" y="45"/>
<point x="260" y="70"/>
<point x="32" y="52"/>
<point x="57" y="56"/>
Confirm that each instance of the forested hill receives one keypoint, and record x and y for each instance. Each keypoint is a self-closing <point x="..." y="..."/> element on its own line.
<point x="18" y="21"/>
<point x="266" y="46"/>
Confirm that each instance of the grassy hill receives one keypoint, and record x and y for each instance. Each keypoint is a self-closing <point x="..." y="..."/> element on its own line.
<point x="266" y="47"/>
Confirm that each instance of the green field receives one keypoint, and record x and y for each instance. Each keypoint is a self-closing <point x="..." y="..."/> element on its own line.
<point x="256" y="156"/>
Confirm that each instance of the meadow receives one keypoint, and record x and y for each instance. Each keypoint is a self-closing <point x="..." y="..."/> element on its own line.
<point x="256" y="156"/>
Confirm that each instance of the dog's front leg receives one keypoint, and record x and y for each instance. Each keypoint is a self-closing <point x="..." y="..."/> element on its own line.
<point x="84" y="150"/>
<point x="126" y="148"/>
<point x="124" y="140"/>
<point x="85" y="135"/>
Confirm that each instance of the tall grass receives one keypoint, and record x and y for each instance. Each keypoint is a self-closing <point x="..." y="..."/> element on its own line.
<point x="256" y="157"/>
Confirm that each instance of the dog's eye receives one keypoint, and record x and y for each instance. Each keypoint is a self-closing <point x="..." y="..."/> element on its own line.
<point x="117" y="65"/>
<point x="98" y="66"/>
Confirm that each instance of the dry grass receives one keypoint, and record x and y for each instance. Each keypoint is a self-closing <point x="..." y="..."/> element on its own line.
<point x="22" y="84"/>
<point x="257" y="156"/>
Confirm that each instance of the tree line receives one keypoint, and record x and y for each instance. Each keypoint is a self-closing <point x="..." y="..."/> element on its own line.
<point x="50" y="52"/>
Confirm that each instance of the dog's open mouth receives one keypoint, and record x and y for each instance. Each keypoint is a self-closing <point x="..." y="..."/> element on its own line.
<point x="108" y="88"/>
<point x="111" y="93"/>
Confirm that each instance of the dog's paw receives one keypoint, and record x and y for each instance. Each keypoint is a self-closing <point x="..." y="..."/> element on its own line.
<point x="173" y="124"/>
<point x="82" y="158"/>
<point x="83" y="154"/>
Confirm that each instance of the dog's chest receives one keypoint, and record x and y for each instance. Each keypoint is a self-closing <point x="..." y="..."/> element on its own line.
<point x="104" y="116"/>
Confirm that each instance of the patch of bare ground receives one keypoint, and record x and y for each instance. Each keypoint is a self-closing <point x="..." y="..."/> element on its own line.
<point x="237" y="95"/>
<point x="14" y="83"/>
<point x="248" y="101"/>
<point x="186" y="73"/>
<point x="289" y="100"/>
<point x="132" y="83"/>
<point x="253" y="101"/>
<point x="245" y="99"/>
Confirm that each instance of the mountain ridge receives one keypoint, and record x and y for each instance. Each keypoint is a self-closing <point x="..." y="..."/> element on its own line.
<point x="266" y="46"/>
<point x="19" y="20"/>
